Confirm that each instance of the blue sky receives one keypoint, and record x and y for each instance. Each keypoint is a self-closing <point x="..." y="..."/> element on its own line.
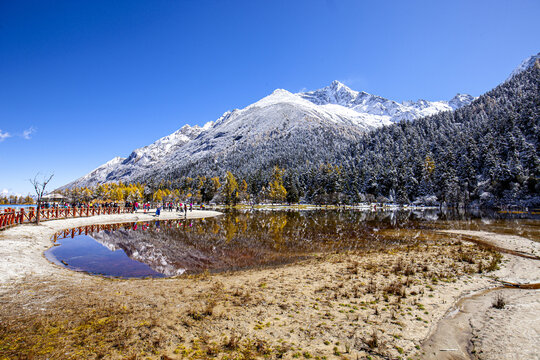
<point x="84" y="81"/>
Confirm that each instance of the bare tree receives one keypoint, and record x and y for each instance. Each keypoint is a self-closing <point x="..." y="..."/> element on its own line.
<point x="39" y="186"/>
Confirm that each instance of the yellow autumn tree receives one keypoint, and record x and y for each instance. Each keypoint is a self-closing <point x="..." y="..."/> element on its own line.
<point x="87" y="194"/>
<point x="244" y="195"/>
<point x="99" y="192"/>
<point x="117" y="194"/>
<point x="158" y="196"/>
<point x="429" y="165"/>
<point x="176" y="194"/>
<point x="230" y="189"/>
<point x="276" y="190"/>
<point x="216" y="183"/>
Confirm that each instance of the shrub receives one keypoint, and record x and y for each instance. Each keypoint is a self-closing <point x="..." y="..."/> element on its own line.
<point x="499" y="302"/>
<point x="494" y="263"/>
<point x="394" y="289"/>
<point x="372" y="342"/>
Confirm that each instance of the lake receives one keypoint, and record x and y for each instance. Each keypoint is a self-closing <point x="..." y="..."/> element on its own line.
<point x="241" y="240"/>
<point x="15" y="206"/>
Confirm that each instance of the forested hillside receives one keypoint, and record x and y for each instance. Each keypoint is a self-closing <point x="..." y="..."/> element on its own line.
<point x="486" y="152"/>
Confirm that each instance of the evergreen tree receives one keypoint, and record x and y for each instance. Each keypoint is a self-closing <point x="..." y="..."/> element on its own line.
<point x="291" y="184"/>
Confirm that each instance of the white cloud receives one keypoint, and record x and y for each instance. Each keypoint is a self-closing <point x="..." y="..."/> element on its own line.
<point x="5" y="191"/>
<point x="26" y="133"/>
<point x="4" y="135"/>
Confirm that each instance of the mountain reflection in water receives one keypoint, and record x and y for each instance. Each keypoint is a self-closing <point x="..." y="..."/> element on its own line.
<point x="242" y="240"/>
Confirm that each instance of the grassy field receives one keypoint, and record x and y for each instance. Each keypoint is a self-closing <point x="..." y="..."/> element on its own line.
<point x="373" y="304"/>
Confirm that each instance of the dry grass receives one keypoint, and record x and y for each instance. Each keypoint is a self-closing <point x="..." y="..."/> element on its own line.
<point x="355" y="304"/>
<point x="373" y="341"/>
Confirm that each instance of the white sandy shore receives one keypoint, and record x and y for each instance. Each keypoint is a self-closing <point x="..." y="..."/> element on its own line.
<point x="22" y="247"/>
<point x="475" y="329"/>
<point x="516" y="269"/>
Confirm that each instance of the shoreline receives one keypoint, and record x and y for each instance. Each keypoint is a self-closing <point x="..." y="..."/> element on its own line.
<point x="32" y="240"/>
<point x="474" y="326"/>
<point x="290" y="306"/>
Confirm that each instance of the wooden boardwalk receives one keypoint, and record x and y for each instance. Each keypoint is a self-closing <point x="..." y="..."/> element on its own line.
<point x="12" y="217"/>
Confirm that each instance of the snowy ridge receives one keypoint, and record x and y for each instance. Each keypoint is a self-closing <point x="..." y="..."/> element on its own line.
<point x="336" y="109"/>
<point x="460" y="100"/>
<point x="525" y="64"/>
<point x="99" y="175"/>
<point x="141" y="159"/>
<point x="149" y="154"/>
<point x="381" y="110"/>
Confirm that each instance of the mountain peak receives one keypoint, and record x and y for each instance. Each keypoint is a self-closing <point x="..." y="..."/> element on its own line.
<point x="280" y="92"/>
<point x="335" y="93"/>
<point x="115" y="160"/>
<point x="336" y="84"/>
<point x="460" y="100"/>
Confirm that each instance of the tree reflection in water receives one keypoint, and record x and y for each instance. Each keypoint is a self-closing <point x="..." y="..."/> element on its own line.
<point x="241" y="240"/>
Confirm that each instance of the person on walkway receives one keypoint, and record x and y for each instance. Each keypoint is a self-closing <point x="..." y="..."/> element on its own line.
<point x="158" y="211"/>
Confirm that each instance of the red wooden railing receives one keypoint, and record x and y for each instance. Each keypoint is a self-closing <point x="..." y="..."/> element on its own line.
<point x="11" y="217"/>
<point x="91" y="229"/>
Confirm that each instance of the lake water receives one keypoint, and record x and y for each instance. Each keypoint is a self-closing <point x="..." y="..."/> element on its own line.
<point x="14" y="206"/>
<point x="251" y="239"/>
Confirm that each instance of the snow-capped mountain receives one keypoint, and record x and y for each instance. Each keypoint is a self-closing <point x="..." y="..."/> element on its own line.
<point x="334" y="111"/>
<point x="142" y="158"/>
<point x="527" y="63"/>
<point x="380" y="109"/>
<point x="148" y="155"/>
<point x="460" y="100"/>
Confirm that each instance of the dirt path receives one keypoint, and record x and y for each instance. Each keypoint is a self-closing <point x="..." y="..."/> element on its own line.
<point x="475" y="329"/>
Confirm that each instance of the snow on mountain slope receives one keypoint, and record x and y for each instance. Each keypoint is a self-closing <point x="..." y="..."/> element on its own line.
<point x="527" y="63"/>
<point x="460" y="100"/>
<point x="381" y="109"/>
<point x="338" y="109"/>
<point x="279" y="114"/>
<point x="99" y="175"/>
<point x="140" y="159"/>
<point x="148" y="155"/>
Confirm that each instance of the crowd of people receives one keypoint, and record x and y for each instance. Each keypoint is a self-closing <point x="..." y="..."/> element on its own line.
<point x="66" y="205"/>
<point x="135" y="206"/>
<point x="171" y="206"/>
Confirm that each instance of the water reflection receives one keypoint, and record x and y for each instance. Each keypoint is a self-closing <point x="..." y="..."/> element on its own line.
<point x="240" y="240"/>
